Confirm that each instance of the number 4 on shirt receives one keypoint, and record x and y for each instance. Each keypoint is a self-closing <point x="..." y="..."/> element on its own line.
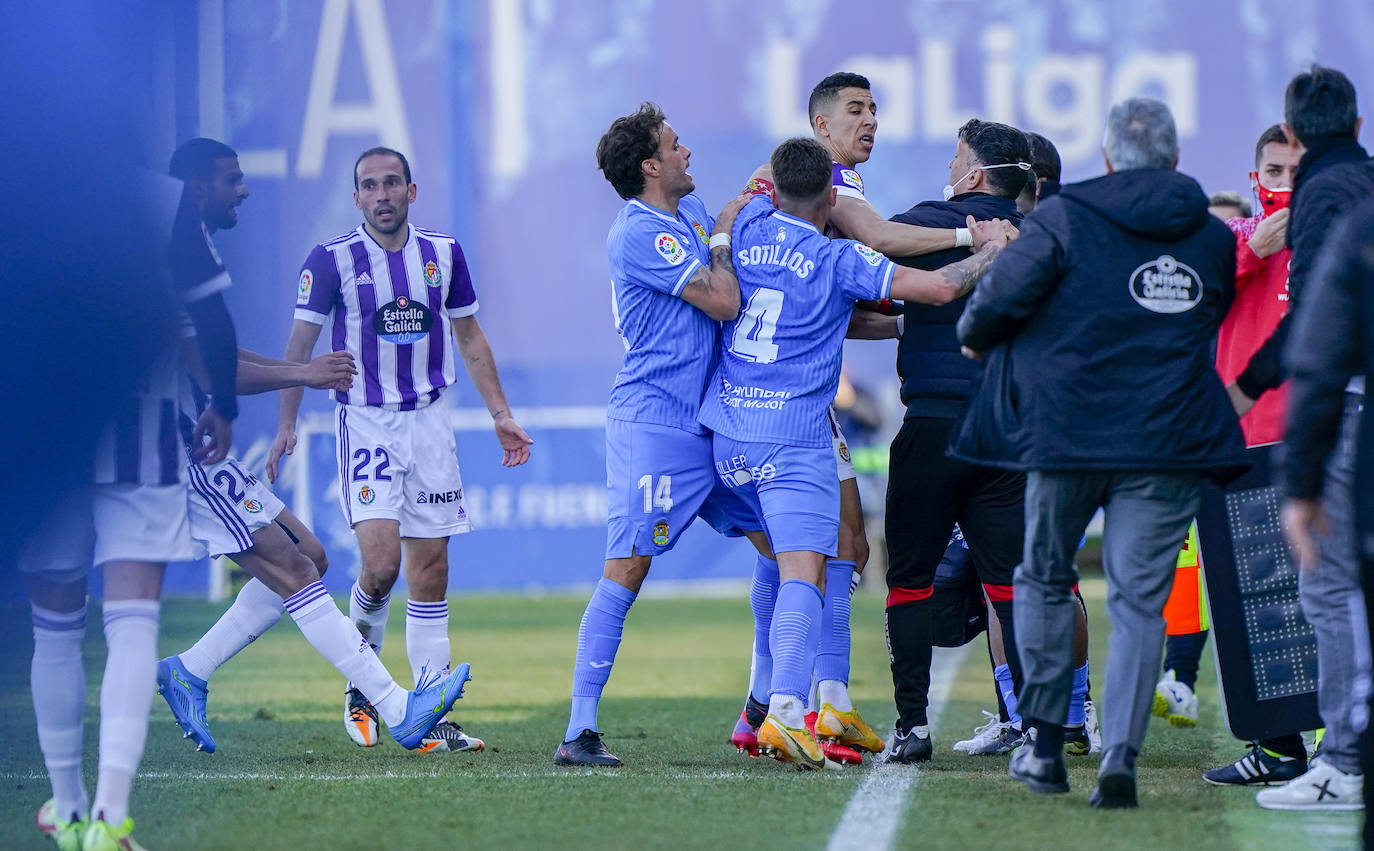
<point x="660" y="497"/>
<point x="753" y="337"/>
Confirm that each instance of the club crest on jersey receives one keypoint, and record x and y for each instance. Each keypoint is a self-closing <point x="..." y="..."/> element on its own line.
<point x="872" y="257"/>
<point x="661" y="533"/>
<point x="670" y="248"/>
<point x="402" y="321"/>
<point x="851" y="178"/>
<point x="701" y="233"/>
<point x="433" y="276"/>
<point x="844" y="452"/>
<point x="252" y="506"/>
<point x="366" y="494"/>
<point x="303" y="290"/>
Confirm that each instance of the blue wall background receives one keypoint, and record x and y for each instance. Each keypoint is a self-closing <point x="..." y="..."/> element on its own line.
<point x="499" y="104"/>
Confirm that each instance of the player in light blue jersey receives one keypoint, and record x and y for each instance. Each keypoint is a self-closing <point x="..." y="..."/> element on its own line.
<point x="671" y="284"/>
<point x="766" y="403"/>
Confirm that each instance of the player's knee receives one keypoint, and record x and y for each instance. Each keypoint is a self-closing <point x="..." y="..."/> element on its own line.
<point x="314" y="550"/>
<point x="302" y="570"/>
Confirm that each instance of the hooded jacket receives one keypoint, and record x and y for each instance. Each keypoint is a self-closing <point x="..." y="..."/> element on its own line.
<point x="1098" y="325"/>
<point x="936" y="379"/>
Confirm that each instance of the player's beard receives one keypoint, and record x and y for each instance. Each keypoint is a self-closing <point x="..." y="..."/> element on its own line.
<point x="398" y="221"/>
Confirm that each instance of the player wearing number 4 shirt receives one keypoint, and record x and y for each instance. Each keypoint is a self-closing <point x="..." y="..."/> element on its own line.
<point x="778" y="371"/>
<point x="387" y="291"/>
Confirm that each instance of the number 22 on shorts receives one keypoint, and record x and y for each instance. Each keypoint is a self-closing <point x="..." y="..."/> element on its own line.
<point x="656" y="497"/>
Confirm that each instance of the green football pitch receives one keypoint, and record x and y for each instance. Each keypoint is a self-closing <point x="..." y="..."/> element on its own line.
<point x="286" y="776"/>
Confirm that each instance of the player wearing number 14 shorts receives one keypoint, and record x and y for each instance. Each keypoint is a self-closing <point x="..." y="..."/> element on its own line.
<point x="779" y="368"/>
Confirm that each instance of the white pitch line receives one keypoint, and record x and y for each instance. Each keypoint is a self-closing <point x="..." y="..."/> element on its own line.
<point x="871" y="819"/>
<point x="253" y="776"/>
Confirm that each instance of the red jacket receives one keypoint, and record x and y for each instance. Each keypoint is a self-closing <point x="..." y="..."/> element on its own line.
<point x="1261" y="300"/>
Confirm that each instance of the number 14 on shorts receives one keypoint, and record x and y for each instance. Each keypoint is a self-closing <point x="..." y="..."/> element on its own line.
<point x="656" y="497"/>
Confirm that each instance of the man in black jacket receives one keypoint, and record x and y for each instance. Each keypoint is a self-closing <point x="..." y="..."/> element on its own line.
<point x="927" y="492"/>
<point x="1097" y="324"/>
<point x="1334" y="175"/>
<point x="1333" y="340"/>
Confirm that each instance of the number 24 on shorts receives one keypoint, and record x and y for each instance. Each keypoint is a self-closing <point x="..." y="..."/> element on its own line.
<point x="656" y="497"/>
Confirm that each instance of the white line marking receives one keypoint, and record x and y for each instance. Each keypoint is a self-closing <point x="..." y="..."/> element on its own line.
<point x="472" y="770"/>
<point x="871" y="818"/>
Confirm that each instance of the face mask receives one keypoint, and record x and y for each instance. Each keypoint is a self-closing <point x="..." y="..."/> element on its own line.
<point x="949" y="189"/>
<point x="1270" y="200"/>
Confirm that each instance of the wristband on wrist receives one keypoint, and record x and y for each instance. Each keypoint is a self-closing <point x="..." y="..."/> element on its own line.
<point x="719" y="240"/>
<point x="963" y="238"/>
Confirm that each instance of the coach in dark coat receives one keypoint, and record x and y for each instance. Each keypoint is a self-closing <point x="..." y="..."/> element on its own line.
<point x="1098" y="324"/>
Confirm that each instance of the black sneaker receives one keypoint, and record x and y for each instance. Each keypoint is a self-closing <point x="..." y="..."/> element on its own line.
<point x="1115" y="780"/>
<point x="1046" y="775"/>
<point x="755" y="712"/>
<point x="585" y="750"/>
<point x="1257" y="768"/>
<point x="914" y="745"/>
<point x="450" y="737"/>
<point x="1076" y="741"/>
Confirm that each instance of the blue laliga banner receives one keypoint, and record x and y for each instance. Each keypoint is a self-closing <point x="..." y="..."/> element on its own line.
<point x="499" y="105"/>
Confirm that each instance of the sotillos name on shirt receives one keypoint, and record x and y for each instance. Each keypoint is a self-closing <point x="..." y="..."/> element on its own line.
<point x="776" y="255"/>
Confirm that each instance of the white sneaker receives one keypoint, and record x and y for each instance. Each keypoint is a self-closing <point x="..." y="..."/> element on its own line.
<point x="1175" y="702"/>
<point x="1091" y="727"/>
<point x="1323" y="787"/>
<point x="994" y="737"/>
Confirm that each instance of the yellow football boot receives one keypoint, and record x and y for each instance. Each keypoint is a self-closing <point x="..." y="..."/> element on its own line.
<point x="103" y="836"/>
<point x="847" y="728"/>
<point x="67" y="834"/>
<point x="790" y="744"/>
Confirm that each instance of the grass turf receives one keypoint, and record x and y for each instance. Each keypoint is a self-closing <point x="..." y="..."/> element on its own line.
<point x="285" y="775"/>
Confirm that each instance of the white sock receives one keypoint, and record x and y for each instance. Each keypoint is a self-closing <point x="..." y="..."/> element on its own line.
<point x="787" y="709"/>
<point x="369" y="615"/>
<point x="340" y="643"/>
<point x="58" y="684"/>
<point x="255" y="610"/>
<point x="126" y="698"/>
<point x="811" y="704"/>
<point x="427" y="643"/>
<point x="836" y="694"/>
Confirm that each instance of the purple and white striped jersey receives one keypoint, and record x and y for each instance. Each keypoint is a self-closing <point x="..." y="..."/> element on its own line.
<point x="389" y="309"/>
<point x="143" y="444"/>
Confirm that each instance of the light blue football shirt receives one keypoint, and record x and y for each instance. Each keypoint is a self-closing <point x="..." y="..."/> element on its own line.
<point x="780" y="358"/>
<point x="670" y="346"/>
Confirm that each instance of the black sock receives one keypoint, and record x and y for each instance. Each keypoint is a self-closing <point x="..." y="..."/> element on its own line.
<point x="908" y="640"/>
<point x="1182" y="654"/>
<point x="1049" y="739"/>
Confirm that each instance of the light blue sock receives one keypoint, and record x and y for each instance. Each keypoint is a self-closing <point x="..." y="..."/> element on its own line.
<point x="1002" y="673"/>
<point x="598" y="639"/>
<point x="763" y="596"/>
<point x="794" y="636"/>
<point x="832" y="655"/>
<point x="1078" y="696"/>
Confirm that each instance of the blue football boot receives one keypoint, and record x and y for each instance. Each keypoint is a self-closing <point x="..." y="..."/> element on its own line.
<point x="185" y="695"/>
<point x="426" y="706"/>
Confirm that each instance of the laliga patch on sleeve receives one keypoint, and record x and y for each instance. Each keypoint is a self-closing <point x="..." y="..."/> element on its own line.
<point x="851" y="178"/>
<point x="670" y="248"/>
<point x="868" y="254"/>
<point x="303" y="290"/>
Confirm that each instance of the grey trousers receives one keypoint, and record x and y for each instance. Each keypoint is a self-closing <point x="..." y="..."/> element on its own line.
<point x="1146" y="520"/>
<point x="1334" y="604"/>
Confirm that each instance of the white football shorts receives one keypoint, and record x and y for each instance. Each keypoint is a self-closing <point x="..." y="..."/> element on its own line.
<point x="401" y="465"/>
<point x="228" y="504"/>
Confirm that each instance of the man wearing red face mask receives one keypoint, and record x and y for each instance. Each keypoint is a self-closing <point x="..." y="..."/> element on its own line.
<point x="1261" y="279"/>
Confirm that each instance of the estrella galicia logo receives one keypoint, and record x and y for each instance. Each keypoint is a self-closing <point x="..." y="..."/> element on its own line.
<point x="402" y="321"/>
<point x="1165" y="285"/>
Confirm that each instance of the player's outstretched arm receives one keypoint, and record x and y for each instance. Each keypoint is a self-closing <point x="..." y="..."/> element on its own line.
<point x="865" y="324"/>
<point x="481" y="367"/>
<point x="957" y="279"/>
<point x="298" y="348"/>
<point x="329" y="371"/>
<point x="714" y="289"/>
<point x="857" y="219"/>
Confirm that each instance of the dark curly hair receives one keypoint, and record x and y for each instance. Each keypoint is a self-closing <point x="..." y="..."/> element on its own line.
<point x="631" y="140"/>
